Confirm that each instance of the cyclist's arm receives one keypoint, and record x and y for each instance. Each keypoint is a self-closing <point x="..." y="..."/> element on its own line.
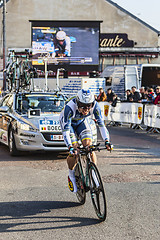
<point x="68" y="46"/>
<point x="98" y="116"/>
<point x="65" y="121"/>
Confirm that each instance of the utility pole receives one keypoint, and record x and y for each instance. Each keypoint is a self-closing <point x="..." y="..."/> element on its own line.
<point x="4" y="45"/>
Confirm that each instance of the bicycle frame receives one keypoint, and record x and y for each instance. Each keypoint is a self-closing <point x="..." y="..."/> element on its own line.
<point x="85" y="177"/>
<point x="89" y="179"/>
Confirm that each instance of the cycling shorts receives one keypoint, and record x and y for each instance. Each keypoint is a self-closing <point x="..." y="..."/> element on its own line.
<point x="82" y="131"/>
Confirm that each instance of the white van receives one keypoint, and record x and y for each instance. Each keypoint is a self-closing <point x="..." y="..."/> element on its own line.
<point x="123" y="77"/>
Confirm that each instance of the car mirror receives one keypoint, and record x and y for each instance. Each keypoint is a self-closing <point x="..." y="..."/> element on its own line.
<point x="4" y="109"/>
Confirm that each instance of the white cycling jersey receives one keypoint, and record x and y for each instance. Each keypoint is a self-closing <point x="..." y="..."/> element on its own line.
<point x="70" y="116"/>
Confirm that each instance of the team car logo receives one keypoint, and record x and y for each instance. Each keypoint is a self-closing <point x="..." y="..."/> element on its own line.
<point x="49" y="125"/>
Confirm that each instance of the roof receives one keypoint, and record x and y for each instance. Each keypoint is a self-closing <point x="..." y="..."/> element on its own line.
<point x="133" y="16"/>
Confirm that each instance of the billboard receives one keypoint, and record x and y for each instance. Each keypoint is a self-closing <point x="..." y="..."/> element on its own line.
<point x="69" y="44"/>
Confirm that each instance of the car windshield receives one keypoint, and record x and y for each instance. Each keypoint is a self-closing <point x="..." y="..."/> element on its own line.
<point x="45" y="102"/>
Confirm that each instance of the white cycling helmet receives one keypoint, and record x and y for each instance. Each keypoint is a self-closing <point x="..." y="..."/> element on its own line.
<point x="61" y="35"/>
<point x="85" y="97"/>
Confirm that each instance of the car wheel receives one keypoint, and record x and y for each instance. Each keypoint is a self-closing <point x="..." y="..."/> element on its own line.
<point x="11" y="143"/>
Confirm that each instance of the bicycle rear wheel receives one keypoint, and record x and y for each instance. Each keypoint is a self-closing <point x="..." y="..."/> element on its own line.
<point x="97" y="192"/>
<point x="81" y="193"/>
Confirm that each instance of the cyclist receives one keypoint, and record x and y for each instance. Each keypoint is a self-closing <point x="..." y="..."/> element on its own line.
<point x="61" y="45"/>
<point x="74" y="124"/>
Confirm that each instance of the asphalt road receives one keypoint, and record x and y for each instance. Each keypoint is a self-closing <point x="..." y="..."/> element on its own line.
<point x="35" y="202"/>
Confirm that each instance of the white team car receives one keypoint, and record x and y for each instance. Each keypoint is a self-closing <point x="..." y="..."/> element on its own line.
<point x="29" y="121"/>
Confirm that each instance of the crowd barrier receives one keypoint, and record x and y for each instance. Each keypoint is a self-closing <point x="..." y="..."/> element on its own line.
<point x="152" y="116"/>
<point x="134" y="113"/>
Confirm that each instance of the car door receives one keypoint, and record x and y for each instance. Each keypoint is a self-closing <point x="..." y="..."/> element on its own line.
<point x="5" y="108"/>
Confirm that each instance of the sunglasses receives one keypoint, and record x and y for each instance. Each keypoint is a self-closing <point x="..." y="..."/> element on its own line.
<point x="85" y="107"/>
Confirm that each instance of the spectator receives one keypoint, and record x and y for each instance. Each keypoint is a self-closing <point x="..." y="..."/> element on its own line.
<point x="144" y="92"/>
<point x="151" y="95"/>
<point x="112" y="99"/>
<point x="102" y="96"/>
<point x="157" y="98"/>
<point x="110" y="95"/>
<point x="157" y="91"/>
<point x="136" y="95"/>
<point x="129" y="96"/>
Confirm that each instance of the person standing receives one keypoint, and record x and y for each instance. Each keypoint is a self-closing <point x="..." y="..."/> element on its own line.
<point x="102" y="96"/>
<point x="136" y="95"/>
<point x="129" y="96"/>
<point x="110" y="95"/>
<point x="157" y="98"/>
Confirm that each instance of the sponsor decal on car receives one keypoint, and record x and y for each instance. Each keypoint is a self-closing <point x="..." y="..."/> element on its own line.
<point x="49" y="125"/>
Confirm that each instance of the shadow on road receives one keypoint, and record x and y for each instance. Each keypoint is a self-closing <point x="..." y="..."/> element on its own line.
<point x="140" y="163"/>
<point x="34" y="155"/>
<point x="24" y="215"/>
<point x="153" y="182"/>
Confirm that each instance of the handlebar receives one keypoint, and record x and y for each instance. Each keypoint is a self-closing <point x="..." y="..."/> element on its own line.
<point x="90" y="149"/>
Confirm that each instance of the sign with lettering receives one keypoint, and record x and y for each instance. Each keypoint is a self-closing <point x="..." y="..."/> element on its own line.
<point x="115" y="40"/>
<point x="123" y="112"/>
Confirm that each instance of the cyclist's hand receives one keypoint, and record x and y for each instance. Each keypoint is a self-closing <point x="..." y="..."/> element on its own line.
<point x="91" y="147"/>
<point x="109" y="146"/>
<point x="72" y="151"/>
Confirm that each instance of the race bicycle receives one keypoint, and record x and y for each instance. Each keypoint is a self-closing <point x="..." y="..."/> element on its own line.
<point x="88" y="179"/>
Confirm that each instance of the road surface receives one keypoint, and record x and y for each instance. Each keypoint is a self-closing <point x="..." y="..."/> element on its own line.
<point x="35" y="202"/>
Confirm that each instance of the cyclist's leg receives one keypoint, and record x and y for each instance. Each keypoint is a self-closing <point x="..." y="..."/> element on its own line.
<point x="85" y="134"/>
<point x="72" y="161"/>
<point x="88" y="142"/>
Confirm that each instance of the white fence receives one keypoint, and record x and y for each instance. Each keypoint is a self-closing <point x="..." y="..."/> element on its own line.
<point x="152" y="116"/>
<point x="135" y="113"/>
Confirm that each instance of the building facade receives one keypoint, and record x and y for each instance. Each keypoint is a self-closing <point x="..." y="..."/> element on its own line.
<point x="124" y="38"/>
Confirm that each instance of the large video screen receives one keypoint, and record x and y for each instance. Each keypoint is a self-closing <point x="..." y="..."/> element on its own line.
<point x="68" y="44"/>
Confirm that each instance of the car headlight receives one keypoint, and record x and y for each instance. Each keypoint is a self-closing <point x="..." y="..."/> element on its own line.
<point x="24" y="126"/>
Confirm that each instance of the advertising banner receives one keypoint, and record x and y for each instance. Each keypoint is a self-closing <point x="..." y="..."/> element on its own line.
<point x="152" y="116"/>
<point x="123" y="112"/>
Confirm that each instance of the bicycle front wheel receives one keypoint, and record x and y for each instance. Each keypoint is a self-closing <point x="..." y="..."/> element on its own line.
<point x="81" y="193"/>
<point x="97" y="192"/>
